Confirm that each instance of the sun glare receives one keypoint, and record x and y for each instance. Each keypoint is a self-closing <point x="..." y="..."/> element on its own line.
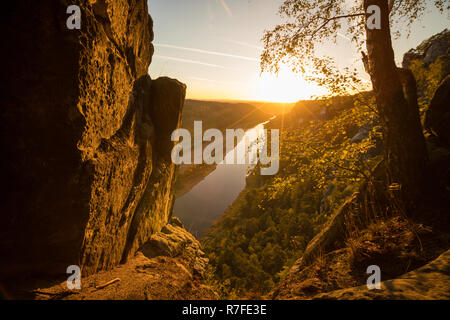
<point x="285" y="87"/>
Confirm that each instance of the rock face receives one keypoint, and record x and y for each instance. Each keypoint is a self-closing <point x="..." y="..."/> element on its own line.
<point x="175" y="241"/>
<point x="437" y="117"/>
<point x="429" y="50"/>
<point x="84" y="137"/>
<point x="430" y="63"/>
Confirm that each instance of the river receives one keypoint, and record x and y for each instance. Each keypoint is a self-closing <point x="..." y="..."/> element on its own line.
<point x="207" y="201"/>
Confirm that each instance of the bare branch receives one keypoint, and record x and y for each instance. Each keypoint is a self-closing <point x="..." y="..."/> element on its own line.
<point x="107" y="283"/>
<point x="327" y="20"/>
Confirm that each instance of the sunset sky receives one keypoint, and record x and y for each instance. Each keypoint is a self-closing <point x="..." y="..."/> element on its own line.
<point x="214" y="46"/>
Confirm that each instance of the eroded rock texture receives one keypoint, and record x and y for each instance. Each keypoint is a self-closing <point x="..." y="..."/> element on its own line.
<point x="430" y="282"/>
<point x="429" y="50"/>
<point x="437" y="116"/>
<point x="169" y="266"/>
<point x="84" y="136"/>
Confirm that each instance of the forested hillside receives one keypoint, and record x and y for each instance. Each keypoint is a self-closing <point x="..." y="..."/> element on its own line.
<point x="329" y="149"/>
<point x="218" y="115"/>
<point x="326" y="149"/>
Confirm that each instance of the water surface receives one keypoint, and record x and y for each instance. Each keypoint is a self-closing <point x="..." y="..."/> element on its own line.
<point x="206" y="202"/>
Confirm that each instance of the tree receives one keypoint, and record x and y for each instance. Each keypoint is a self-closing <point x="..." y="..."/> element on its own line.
<point x="311" y="23"/>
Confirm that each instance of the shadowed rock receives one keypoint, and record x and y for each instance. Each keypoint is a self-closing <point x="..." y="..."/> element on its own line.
<point x="429" y="50"/>
<point x="437" y="117"/>
<point x="429" y="282"/>
<point x="85" y="131"/>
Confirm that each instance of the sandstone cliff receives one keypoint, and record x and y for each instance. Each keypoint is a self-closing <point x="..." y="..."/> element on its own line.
<point x="85" y="137"/>
<point x="429" y="50"/>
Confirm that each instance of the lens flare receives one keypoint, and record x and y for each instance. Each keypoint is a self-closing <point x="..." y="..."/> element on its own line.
<point x="286" y="86"/>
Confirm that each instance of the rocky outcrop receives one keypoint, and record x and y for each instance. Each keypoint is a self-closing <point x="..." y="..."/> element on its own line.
<point x="429" y="50"/>
<point x="430" y="64"/>
<point x="437" y="117"/>
<point x="84" y="137"/>
<point x="430" y="282"/>
<point x="174" y="241"/>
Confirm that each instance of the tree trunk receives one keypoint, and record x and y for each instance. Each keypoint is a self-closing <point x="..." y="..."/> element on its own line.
<point x="404" y="143"/>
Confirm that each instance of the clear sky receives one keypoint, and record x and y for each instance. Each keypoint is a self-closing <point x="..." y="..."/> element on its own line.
<point x="214" y="46"/>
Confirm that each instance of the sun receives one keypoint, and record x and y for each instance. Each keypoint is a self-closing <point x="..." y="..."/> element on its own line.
<point x="287" y="86"/>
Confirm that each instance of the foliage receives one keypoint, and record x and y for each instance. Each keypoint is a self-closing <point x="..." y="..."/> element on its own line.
<point x="258" y="238"/>
<point x="309" y="24"/>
